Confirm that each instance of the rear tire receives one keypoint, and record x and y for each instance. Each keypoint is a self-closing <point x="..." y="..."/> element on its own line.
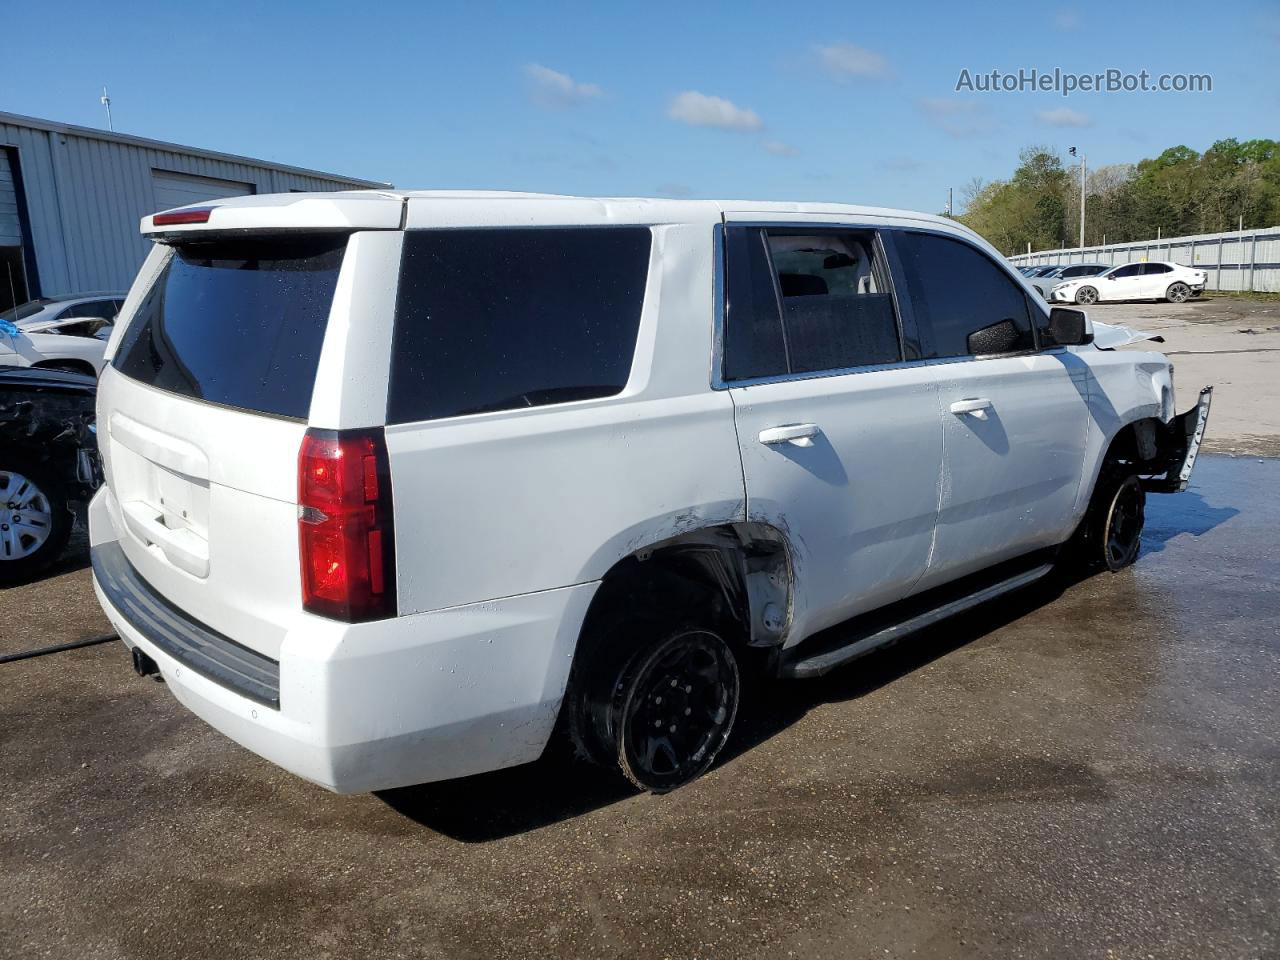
<point x="35" y="521"/>
<point x="1177" y="293"/>
<point x="658" y="708"/>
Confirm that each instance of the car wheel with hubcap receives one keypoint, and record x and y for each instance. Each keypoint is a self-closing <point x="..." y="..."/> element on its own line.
<point x="1177" y="293"/>
<point x="34" y="520"/>
<point x="1087" y="295"/>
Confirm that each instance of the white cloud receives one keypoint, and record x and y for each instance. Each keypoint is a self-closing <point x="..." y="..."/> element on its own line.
<point x="959" y="118"/>
<point x="553" y="89"/>
<point x="1066" y="20"/>
<point x="1064" y="117"/>
<point x="780" y="149"/>
<point x="844" y="60"/>
<point x="700" y="110"/>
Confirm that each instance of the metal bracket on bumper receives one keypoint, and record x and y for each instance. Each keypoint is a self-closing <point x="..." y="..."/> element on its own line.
<point x="1185" y="435"/>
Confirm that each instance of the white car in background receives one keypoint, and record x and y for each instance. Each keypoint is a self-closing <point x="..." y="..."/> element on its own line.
<point x="1157" y="280"/>
<point x="59" y="333"/>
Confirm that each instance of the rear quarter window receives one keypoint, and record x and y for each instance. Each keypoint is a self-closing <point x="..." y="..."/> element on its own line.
<point x="501" y="319"/>
<point x="237" y="322"/>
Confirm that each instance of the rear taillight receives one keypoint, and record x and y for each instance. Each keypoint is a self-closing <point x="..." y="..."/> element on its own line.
<point x="345" y="528"/>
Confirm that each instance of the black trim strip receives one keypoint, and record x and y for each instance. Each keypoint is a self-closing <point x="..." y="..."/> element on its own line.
<point x="190" y="642"/>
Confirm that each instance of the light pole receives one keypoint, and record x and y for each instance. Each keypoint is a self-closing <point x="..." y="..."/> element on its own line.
<point x="1073" y="153"/>
<point x="106" y="102"/>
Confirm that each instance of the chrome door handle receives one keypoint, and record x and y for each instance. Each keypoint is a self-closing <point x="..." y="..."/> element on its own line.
<point x="801" y="434"/>
<point x="978" y="406"/>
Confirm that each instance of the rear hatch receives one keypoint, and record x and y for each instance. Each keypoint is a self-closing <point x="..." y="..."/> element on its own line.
<point x="201" y="416"/>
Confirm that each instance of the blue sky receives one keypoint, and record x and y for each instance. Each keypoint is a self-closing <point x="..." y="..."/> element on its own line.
<point x="849" y="102"/>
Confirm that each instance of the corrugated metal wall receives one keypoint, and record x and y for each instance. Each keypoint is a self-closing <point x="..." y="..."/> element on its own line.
<point x="10" y="230"/>
<point x="85" y="195"/>
<point x="1239" y="260"/>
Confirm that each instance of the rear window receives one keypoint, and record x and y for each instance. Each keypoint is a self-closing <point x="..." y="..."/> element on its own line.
<point x="237" y="322"/>
<point x="502" y="319"/>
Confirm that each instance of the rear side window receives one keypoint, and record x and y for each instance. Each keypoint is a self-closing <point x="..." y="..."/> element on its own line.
<point x="963" y="303"/>
<point x="237" y="322"/>
<point x="1150" y="269"/>
<point x="502" y="319"/>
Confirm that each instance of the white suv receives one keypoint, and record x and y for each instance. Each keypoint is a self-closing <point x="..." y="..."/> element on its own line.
<point x="400" y="484"/>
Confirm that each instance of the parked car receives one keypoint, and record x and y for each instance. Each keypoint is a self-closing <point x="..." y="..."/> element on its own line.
<point x="48" y="465"/>
<point x="1045" y="283"/>
<point x="59" y="333"/>
<point x="1156" y="280"/>
<point x="399" y="484"/>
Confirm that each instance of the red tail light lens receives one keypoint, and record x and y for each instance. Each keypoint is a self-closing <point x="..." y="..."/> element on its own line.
<point x="198" y="215"/>
<point x="345" y="526"/>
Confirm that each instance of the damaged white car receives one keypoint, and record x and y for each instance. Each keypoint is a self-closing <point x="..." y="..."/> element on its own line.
<point x="401" y="485"/>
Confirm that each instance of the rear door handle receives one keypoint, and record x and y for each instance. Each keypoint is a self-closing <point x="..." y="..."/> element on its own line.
<point x="978" y="406"/>
<point x="801" y="434"/>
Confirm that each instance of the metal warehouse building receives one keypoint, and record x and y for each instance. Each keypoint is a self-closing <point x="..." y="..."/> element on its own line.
<point x="71" y="198"/>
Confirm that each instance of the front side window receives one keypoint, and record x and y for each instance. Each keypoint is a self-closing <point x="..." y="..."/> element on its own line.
<point x="963" y="303"/>
<point x="502" y="319"/>
<point x="1130" y="270"/>
<point x="806" y="302"/>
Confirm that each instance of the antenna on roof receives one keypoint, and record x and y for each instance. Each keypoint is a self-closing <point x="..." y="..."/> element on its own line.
<point x="106" y="102"/>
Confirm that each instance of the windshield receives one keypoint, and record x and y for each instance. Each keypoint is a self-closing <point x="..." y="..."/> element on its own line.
<point x="24" y="310"/>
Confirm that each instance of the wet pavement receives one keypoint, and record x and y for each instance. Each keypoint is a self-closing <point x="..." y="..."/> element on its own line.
<point x="1084" y="770"/>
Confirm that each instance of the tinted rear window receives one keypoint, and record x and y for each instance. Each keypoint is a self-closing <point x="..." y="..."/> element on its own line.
<point x="499" y="319"/>
<point x="237" y="322"/>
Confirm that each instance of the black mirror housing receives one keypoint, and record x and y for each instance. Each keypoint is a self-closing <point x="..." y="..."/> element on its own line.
<point x="999" y="337"/>
<point x="1068" y="327"/>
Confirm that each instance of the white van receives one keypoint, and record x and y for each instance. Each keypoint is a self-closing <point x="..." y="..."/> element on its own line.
<point x="400" y="484"/>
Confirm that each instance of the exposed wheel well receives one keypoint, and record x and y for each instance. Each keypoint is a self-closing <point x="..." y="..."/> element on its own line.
<point x="739" y="575"/>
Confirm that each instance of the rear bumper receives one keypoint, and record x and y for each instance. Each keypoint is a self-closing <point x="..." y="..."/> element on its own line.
<point x="375" y="705"/>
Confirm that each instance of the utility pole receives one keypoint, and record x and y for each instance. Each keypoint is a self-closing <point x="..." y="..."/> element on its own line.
<point x="1082" y="184"/>
<point x="106" y="102"/>
<point x="951" y="207"/>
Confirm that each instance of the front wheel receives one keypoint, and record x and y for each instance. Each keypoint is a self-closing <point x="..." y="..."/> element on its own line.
<point x="1087" y="295"/>
<point x="1177" y="293"/>
<point x="1110" y="537"/>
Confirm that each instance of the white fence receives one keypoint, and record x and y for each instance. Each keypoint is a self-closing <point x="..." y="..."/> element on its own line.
<point x="1240" y="260"/>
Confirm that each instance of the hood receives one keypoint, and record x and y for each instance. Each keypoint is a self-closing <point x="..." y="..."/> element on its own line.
<point x="1108" y="336"/>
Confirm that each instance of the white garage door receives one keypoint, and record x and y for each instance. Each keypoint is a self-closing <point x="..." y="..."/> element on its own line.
<point x="180" y="189"/>
<point x="10" y="231"/>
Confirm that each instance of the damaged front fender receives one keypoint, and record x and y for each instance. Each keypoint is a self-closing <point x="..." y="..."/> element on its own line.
<point x="1179" y="446"/>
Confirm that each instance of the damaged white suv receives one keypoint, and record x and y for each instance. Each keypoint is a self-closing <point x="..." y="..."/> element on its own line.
<point x="399" y="485"/>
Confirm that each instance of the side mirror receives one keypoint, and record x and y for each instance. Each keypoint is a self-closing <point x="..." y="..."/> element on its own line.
<point x="1069" y="328"/>
<point x="1000" y="337"/>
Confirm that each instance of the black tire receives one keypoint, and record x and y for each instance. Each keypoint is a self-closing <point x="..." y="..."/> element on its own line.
<point x="659" y="707"/>
<point x="19" y="562"/>
<point x="1178" y="293"/>
<point x="1110" y="536"/>
<point x="1087" y="295"/>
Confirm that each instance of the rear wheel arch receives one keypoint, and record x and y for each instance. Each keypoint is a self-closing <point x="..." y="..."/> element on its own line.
<point x="733" y="580"/>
